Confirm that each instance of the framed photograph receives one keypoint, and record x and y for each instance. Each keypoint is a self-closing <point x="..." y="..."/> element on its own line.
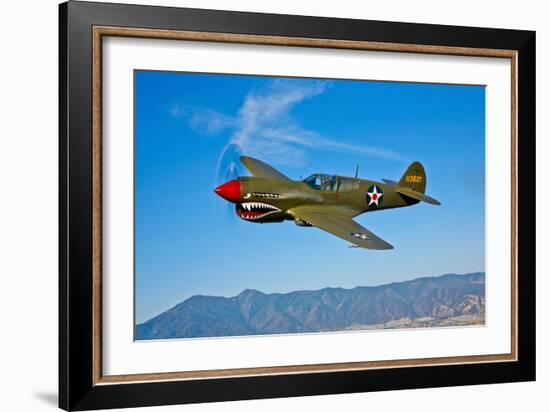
<point x="218" y="171"/>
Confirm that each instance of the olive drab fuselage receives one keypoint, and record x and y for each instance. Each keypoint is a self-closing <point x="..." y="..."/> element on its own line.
<point x="287" y="194"/>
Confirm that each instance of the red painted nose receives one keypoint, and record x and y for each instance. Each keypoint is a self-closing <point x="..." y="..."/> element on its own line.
<point x="230" y="191"/>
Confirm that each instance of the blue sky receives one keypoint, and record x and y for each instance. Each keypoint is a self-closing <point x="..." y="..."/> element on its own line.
<point x="190" y="128"/>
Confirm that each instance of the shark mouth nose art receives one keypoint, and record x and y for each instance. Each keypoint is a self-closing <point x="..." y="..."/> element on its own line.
<point x="255" y="210"/>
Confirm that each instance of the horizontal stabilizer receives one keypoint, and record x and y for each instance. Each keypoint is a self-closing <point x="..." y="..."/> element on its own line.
<point x="390" y="182"/>
<point x="416" y="195"/>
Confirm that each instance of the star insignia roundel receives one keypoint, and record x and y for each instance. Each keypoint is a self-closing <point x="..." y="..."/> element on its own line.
<point x="374" y="196"/>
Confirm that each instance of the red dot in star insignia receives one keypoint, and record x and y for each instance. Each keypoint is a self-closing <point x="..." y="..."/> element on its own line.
<point x="374" y="196"/>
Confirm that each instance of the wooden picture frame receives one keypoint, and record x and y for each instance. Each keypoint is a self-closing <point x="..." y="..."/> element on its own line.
<point x="83" y="26"/>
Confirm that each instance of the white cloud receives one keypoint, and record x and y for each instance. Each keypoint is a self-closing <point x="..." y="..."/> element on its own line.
<point x="264" y="126"/>
<point x="204" y="121"/>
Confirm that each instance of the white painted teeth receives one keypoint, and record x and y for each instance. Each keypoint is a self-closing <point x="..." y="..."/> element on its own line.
<point x="253" y="205"/>
<point x="263" y="209"/>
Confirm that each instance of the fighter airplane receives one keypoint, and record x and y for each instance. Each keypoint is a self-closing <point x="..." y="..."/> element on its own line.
<point x="328" y="202"/>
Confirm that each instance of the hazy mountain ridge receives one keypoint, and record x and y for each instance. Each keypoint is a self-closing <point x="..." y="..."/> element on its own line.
<point x="428" y="301"/>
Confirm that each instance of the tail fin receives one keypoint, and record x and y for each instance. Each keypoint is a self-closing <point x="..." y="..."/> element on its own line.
<point x="413" y="184"/>
<point x="414" y="178"/>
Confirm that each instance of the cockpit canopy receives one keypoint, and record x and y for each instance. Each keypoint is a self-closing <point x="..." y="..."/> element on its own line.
<point x="331" y="183"/>
<point x="321" y="181"/>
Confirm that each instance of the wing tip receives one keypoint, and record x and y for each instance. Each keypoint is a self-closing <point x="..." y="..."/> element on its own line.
<point x="385" y="246"/>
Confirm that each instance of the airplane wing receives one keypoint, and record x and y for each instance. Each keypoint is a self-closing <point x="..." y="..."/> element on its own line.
<point x="329" y="220"/>
<point x="261" y="169"/>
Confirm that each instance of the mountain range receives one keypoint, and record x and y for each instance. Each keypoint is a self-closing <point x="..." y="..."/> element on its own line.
<point x="424" y="302"/>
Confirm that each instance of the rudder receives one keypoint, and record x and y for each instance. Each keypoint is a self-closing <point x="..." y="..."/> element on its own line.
<point x="414" y="178"/>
